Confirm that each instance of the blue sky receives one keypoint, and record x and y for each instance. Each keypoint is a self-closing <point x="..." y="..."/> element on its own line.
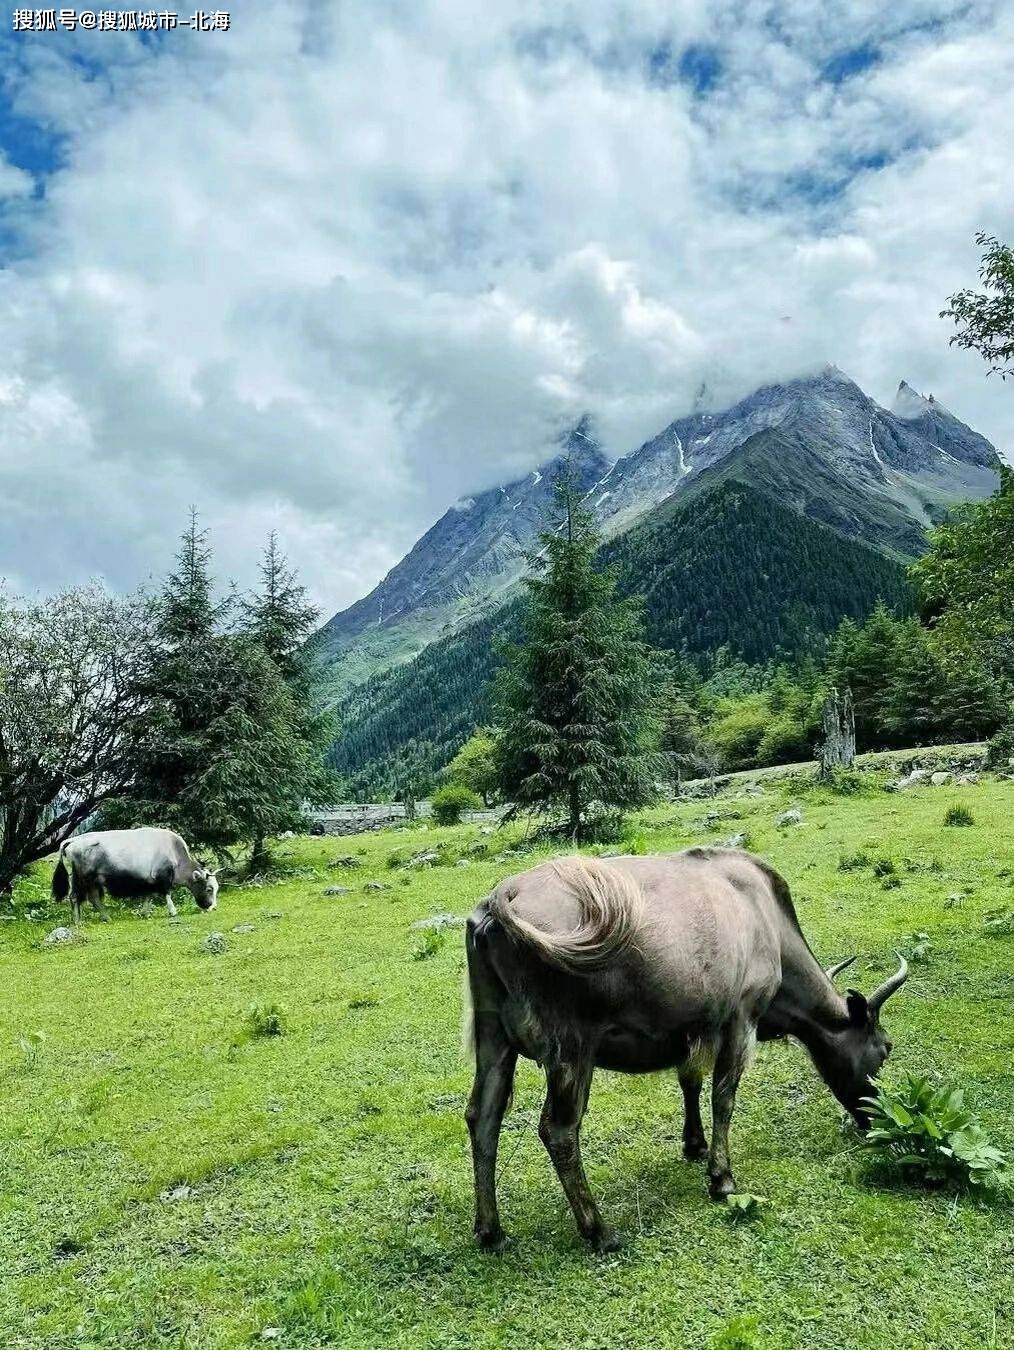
<point x="346" y="263"/>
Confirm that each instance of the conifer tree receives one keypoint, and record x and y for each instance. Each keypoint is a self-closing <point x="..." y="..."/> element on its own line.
<point x="577" y="707"/>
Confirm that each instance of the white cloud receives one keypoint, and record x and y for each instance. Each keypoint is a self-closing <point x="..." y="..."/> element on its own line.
<point x="347" y="263"/>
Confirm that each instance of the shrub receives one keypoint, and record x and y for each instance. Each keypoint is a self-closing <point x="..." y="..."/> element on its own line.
<point x="930" y="1132"/>
<point x="1000" y="751"/>
<point x="450" y="801"/>
<point x="884" y="867"/>
<point x="266" y="1019"/>
<point x="958" y="815"/>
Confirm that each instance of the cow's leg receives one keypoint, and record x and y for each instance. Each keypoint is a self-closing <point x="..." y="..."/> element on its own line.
<point x="695" y="1143"/>
<point x="733" y="1052"/>
<point x="96" y="896"/>
<point x="567" y="1090"/>
<point x="495" y="1061"/>
<point x="170" y="908"/>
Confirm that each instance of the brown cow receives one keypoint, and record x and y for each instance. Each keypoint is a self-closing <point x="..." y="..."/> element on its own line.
<point x="646" y="963"/>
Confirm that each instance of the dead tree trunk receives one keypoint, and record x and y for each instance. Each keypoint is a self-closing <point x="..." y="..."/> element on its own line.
<point x="838" y="749"/>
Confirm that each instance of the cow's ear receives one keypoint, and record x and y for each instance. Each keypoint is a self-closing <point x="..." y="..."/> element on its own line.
<point x="859" y="1009"/>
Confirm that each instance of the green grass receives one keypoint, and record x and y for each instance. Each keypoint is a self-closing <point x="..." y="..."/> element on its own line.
<point x="168" y="1178"/>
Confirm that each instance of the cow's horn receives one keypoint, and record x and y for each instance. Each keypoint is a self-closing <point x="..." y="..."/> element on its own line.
<point x="832" y="971"/>
<point x="880" y="996"/>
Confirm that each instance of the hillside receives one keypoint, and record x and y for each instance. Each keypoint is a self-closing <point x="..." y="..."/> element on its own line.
<point x="730" y="567"/>
<point x="817" y="443"/>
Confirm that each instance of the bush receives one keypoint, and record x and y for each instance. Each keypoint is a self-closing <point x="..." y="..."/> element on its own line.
<point x="450" y="801"/>
<point x="1000" y="751"/>
<point x="958" y="815"/>
<point x="929" y="1131"/>
<point x="431" y="942"/>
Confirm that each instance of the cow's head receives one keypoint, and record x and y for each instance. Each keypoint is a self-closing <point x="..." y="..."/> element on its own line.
<point x="860" y="1046"/>
<point x="204" y="887"/>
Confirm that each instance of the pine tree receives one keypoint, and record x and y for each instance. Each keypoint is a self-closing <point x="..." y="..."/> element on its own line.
<point x="279" y="616"/>
<point x="576" y="699"/>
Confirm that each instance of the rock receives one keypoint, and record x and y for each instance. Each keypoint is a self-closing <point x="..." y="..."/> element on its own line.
<point x="59" y="935"/>
<point x="441" y="921"/>
<point x="287" y="834"/>
<point x="913" y="779"/>
<point x="181" y="1192"/>
<point x="214" y="943"/>
<point x="735" y="841"/>
<point x="346" y="861"/>
<point x="940" y="778"/>
<point x="791" y="817"/>
<point x="968" y="779"/>
<point x="491" y="829"/>
<point x="463" y="862"/>
<point x="376" y="886"/>
<point x="425" y="859"/>
<point x="338" y="890"/>
<point x="245" y="928"/>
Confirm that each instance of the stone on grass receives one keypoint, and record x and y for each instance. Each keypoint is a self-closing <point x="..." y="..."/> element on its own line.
<point x="913" y="779"/>
<point x="940" y="778"/>
<point x="59" y="935"/>
<point x="424" y="859"/>
<point x="244" y="928"/>
<point x="214" y="943"/>
<point x="790" y="817"/>
<point x="338" y="890"/>
<point x="463" y="862"/>
<point x="376" y="886"/>
<point x="346" y="861"/>
<point x="440" y="921"/>
<point x="735" y="841"/>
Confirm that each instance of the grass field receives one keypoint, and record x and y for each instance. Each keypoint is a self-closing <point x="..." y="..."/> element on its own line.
<point x="170" y="1178"/>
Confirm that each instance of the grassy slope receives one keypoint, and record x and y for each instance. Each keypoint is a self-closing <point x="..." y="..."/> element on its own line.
<point x="330" y="1191"/>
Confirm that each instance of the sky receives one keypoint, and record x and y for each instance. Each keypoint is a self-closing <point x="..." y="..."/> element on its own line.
<point x="349" y="261"/>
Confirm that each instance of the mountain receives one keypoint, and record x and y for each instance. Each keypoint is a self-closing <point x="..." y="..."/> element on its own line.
<point x="728" y="567"/>
<point x="458" y="570"/>
<point x="817" y="444"/>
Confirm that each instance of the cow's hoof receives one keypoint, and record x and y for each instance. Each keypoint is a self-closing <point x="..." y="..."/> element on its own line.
<point x="492" y="1240"/>
<point x="695" y="1150"/>
<point x="721" y="1186"/>
<point x="609" y="1240"/>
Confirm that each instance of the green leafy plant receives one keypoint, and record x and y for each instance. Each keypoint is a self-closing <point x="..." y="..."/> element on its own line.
<point x="930" y="1132"/>
<point x="958" y="815"/>
<point x="266" y="1019"/>
<point x="919" y="947"/>
<point x="429" y="944"/>
<point x="742" y="1205"/>
<point x="30" y="1044"/>
<point x="449" y="802"/>
<point x="853" y="862"/>
<point x="884" y="867"/>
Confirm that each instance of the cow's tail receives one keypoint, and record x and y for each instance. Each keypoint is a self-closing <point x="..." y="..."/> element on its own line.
<point x="61" y="880"/>
<point x="612" y="916"/>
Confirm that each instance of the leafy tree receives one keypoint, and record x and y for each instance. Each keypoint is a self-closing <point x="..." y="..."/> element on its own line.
<point x="72" y="707"/>
<point x="577" y="695"/>
<point x="474" y="766"/>
<point x="862" y="658"/>
<point x="985" y="319"/>
<point x="966" y="583"/>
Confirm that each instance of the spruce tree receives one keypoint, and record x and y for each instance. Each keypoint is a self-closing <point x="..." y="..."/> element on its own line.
<point x="576" y="697"/>
<point x="278" y="617"/>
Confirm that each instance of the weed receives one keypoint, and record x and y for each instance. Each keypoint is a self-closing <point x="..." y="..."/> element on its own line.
<point x="854" y="862"/>
<point x="266" y="1019"/>
<point x="958" y="815"/>
<point x="431" y="942"/>
<point x="930" y="1132"/>
<point x="30" y="1043"/>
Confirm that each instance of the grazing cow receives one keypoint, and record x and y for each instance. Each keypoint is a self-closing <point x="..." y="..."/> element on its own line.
<point x="126" y="863"/>
<point x="639" y="964"/>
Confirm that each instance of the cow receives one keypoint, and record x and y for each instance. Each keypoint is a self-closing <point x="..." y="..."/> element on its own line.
<point x="636" y="964"/>
<point x="126" y="863"/>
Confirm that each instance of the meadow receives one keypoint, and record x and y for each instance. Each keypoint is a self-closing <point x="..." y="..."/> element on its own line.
<point x="172" y="1176"/>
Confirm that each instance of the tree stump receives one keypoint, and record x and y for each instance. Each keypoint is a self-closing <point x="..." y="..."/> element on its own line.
<point x="838" y="749"/>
